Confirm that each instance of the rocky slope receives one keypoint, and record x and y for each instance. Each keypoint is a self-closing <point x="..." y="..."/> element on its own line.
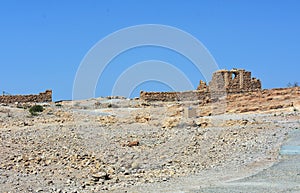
<point x="117" y="144"/>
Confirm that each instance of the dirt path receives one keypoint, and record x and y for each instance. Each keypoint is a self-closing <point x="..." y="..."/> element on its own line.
<point x="262" y="176"/>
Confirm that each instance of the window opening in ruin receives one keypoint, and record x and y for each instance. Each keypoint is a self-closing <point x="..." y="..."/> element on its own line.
<point x="233" y="75"/>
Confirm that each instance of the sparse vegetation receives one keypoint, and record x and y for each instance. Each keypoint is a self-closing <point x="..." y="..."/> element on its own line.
<point x="35" y="109"/>
<point x="290" y="85"/>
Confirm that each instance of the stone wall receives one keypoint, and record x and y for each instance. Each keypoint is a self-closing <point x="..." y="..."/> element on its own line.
<point x="41" y="97"/>
<point x="174" y="96"/>
<point x="234" y="81"/>
<point x="223" y="82"/>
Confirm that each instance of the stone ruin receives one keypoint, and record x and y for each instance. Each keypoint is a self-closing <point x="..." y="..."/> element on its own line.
<point x="233" y="81"/>
<point x="224" y="82"/>
<point x="39" y="98"/>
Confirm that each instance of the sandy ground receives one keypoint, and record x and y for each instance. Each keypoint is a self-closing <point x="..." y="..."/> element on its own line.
<point x="120" y="145"/>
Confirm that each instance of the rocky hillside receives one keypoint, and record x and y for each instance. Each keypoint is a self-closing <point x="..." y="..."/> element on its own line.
<point x="114" y="144"/>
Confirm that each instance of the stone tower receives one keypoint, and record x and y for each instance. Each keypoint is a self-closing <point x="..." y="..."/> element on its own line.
<point x="234" y="81"/>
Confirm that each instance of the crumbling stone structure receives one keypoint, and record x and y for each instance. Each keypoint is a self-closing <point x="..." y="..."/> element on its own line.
<point x="223" y="82"/>
<point x="234" y="81"/>
<point x="174" y="96"/>
<point x="39" y="98"/>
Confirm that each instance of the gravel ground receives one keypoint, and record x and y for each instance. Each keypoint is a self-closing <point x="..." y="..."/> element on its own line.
<point x="283" y="176"/>
<point x="77" y="148"/>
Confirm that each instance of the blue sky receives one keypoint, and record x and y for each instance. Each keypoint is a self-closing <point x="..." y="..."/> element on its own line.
<point x="43" y="42"/>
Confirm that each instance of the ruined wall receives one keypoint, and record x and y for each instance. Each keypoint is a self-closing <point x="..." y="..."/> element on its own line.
<point x="41" y="97"/>
<point x="223" y="82"/>
<point x="174" y="96"/>
<point x="202" y="86"/>
<point x="234" y="81"/>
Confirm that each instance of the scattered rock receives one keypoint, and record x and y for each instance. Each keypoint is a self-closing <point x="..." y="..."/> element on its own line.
<point x="142" y="118"/>
<point x="133" y="143"/>
<point x="100" y="175"/>
<point x="171" y="122"/>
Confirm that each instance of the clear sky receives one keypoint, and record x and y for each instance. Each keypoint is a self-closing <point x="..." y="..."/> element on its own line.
<point x="42" y="43"/>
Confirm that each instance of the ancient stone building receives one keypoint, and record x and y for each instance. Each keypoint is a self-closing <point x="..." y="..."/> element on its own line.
<point x="223" y="82"/>
<point x="39" y="98"/>
<point x="234" y="81"/>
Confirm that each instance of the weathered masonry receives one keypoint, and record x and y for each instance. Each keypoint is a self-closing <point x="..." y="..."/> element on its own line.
<point x="39" y="98"/>
<point x="234" y="81"/>
<point x="223" y="82"/>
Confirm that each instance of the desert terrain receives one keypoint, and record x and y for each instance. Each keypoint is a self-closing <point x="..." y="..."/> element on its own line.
<point x="243" y="143"/>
